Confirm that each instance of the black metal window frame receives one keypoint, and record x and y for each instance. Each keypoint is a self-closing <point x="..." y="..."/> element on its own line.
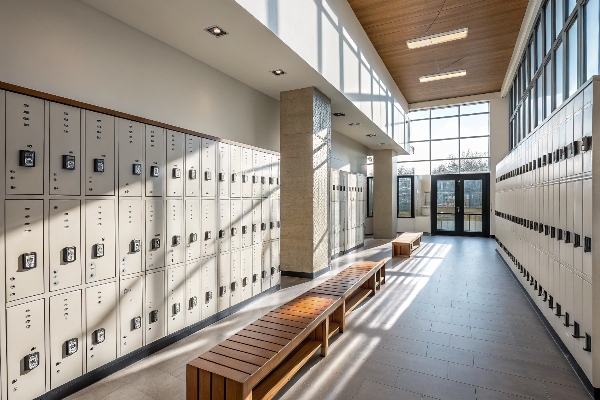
<point x="412" y="195"/>
<point x="369" y="185"/>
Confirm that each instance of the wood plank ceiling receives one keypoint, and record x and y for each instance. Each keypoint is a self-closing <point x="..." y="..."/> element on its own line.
<point x="493" y="29"/>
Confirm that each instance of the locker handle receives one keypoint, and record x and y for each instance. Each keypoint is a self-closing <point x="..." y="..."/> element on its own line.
<point x="176" y="173"/>
<point x="576" y="332"/>
<point x="588" y="343"/>
<point x="567" y="321"/>
<point x="192" y="174"/>
<point x="587" y="244"/>
<point x="558" y="310"/>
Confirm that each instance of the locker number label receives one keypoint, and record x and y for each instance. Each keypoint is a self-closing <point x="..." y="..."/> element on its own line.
<point x="68" y="162"/>
<point x="176" y="173"/>
<point x="99" y="165"/>
<point x="99" y="335"/>
<point x="137" y="169"/>
<point x="32" y="361"/>
<point x="153" y="316"/>
<point x="71" y="346"/>
<point x="69" y="254"/>
<point x="27" y="158"/>
<point x="99" y="250"/>
<point x="155" y="244"/>
<point x="29" y="260"/>
<point x="136" y="245"/>
<point x="192" y="174"/>
<point x="193" y="302"/>
<point x="154" y="171"/>
<point x="136" y="323"/>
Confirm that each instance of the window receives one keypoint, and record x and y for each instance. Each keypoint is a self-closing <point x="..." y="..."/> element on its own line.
<point x="558" y="74"/>
<point x="592" y="33"/>
<point x="559" y="16"/>
<point x="406" y="189"/>
<point x="548" y="75"/>
<point x="570" y="6"/>
<point x="540" y="99"/>
<point x="370" y="196"/>
<point x="540" y="46"/>
<point x="572" y="59"/>
<point x="548" y="26"/>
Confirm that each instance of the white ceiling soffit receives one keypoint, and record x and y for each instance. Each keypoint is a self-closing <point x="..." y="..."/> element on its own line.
<point x="248" y="53"/>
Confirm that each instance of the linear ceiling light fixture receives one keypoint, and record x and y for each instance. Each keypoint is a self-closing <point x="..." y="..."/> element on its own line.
<point x="437" y="38"/>
<point x="443" y="75"/>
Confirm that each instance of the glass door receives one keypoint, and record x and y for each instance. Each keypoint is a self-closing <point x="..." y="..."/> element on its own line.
<point x="445" y="202"/>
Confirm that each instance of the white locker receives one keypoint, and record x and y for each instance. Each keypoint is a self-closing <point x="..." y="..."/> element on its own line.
<point x="247" y="223"/>
<point x="209" y="227"/>
<point x="131" y="314"/>
<point x="100" y="227"/>
<point x="193" y="231"/>
<point x="224" y="226"/>
<point x="266" y="266"/>
<point x="193" y="291"/>
<point x="256" y="221"/>
<point x="209" y="287"/>
<point x="276" y="191"/>
<point x="25" y="344"/>
<point x="99" y="154"/>
<point x="275" y="219"/>
<point x="275" y="264"/>
<point x="236" y="225"/>
<point x="155" y="233"/>
<point x="586" y="325"/>
<point x="256" y="270"/>
<point x="209" y="168"/>
<point x="155" y="161"/>
<point x="154" y="316"/>
<point x="65" y="149"/>
<point x="175" y="247"/>
<point x="265" y="175"/>
<point x="131" y="165"/>
<point x="247" y="172"/>
<point x="246" y="274"/>
<point x="257" y="167"/>
<point x="587" y="227"/>
<point x="192" y="166"/>
<point x="24" y="144"/>
<point x="175" y="163"/>
<point x="224" y="281"/>
<point x="65" y="244"/>
<point x="273" y="174"/>
<point x="101" y="324"/>
<point x="578" y="239"/>
<point x="176" y="299"/>
<point x="235" y="171"/>
<point x="265" y="225"/>
<point x="223" y="175"/>
<point x="235" y="289"/>
<point x="24" y="224"/>
<point x="131" y="241"/>
<point x="66" y="338"/>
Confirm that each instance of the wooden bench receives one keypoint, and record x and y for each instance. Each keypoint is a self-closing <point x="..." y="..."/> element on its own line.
<point x="405" y="244"/>
<point x="259" y="360"/>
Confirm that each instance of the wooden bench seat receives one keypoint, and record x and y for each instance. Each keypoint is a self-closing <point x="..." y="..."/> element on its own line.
<point x="405" y="244"/>
<point x="256" y="362"/>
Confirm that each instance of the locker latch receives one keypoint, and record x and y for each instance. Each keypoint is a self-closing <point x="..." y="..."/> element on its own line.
<point x="136" y="245"/>
<point x="263" y="226"/>
<point x="136" y="323"/>
<point x="244" y="282"/>
<point x="153" y="316"/>
<point x="234" y="286"/>
<point x="29" y="261"/>
<point x="99" y="250"/>
<point x="558" y="310"/>
<point x="176" y="240"/>
<point x="271" y="225"/>
<point x="279" y="224"/>
<point x="207" y="175"/>
<point x="193" y="237"/>
<point x="273" y="270"/>
<point x="560" y="235"/>
<point x="176" y="173"/>
<point x="540" y="290"/>
<point x="68" y="162"/>
<point x="244" y="229"/>
<point x="271" y="181"/>
<point x="576" y="331"/>
<point x="263" y="180"/>
<point x="244" y="178"/>
<point x="263" y="274"/>
<point x="233" y="231"/>
<point x="545" y="296"/>
<point x="222" y="291"/>
<point x="254" y="179"/>
<point x="540" y="228"/>
<point x="550" y="302"/>
<point x="576" y="147"/>
<point x="233" y="177"/>
<point x="277" y="181"/>
<point x="567" y="237"/>
<point x="99" y="335"/>
<point x="567" y="320"/>
<point x="154" y="171"/>
<point x="26" y="158"/>
<point x="222" y="233"/>
<point x="586" y="143"/>
<point x="544" y="162"/>
<point x="193" y="302"/>
<point x="208" y="296"/>
<point x="570" y="150"/>
<point x="71" y="346"/>
<point x="99" y="165"/>
<point x="207" y="235"/>
<point x="69" y="254"/>
<point x="253" y="227"/>
<point x="588" y="343"/>
<point x="254" y="278"/>
<point x="32" y="361"/>
<point x="192" y="174"/>
<point x="577" y="240"/>
<point x="155" y="244"/>
<point x="587" y="244"/>
<point x="221" y="177"/>
<point x="137" y="169"/>
<point x="176" y="308"/>
<point x="546" y="230"/>
<point x="552" y="232"/>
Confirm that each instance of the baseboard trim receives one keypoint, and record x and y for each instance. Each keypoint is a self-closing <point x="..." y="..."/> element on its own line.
<point x="341" y="253"/>
<point x="102" y="372"/>
<point x="306" y="275"/>
<point x="594" y="392"/>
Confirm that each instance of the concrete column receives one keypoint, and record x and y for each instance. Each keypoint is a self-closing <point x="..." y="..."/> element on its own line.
<point x="385" y="198"/>
<point x="305" y="150"/>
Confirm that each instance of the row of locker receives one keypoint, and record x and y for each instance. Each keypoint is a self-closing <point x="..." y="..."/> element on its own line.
<point x="141" y="159"/>
<point x="151" y="234"/>
<point x="90" y="327"/>
<point x="347" y="211"/>
<point x="346" y="186"/>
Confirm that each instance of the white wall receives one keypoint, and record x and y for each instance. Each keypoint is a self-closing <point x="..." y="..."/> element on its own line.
<point x="347" y="154"/>
<point x="66" y="48"/>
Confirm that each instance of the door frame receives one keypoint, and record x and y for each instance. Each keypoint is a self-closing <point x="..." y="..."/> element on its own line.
<point x="459" y="194"/>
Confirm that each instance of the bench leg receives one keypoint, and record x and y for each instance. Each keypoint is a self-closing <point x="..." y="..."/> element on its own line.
<point x="339" y="316"/>
<point x="383" y="274"/>
<point x="372" y="284"/>
<point x="192" y="383"/>
<point x="325" y="334"/>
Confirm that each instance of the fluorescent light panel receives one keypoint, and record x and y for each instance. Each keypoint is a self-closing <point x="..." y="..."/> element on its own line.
<point x="443" y="75"/>
<point x="437" y="38"/>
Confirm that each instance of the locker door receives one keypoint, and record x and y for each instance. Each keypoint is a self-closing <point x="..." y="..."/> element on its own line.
<point x="155" y="248"/>
<point x="209" y="287"/>
<point x="257" y="164"/>
<point x="266" y="266"/>
<point x="223" y="175"/>
<point x="209" y="228"/>
<point x="246" y="223"/>
<point x="131" y="314"/>
<point x="24" y="144"/>
<point x="25" y="344"/>
<point x="273" y="176"/>
<point x="256" y="221"/>
<point x="66" y="338"/>
<point x="277" y="218"/>
<point x="256" y="270"/>
<point x="175" y="163"/>
<point x="246" y="274"/>
<point x="569" y="226"/>
<point x="101" y="314"/>
<point x="235" y="171"/>
<point x="175" y="230"/>
<point x="99" y="154"/>
<point x="247" y="172"/>
<point x="193" y="291"/>
<point x="65" y="244"/>
<point x="65" y="149"/>
<point x="586" y="236"/>
<point x="578" y="239"/>
<point x="176" y="299"/>
<point x="154" y="316"/>
<point x="224" y="281"/>
<point x="236" y="225"/>
<point x="275" y="265"/>
<point x="155" y="161"/>
<point x="235" y="288"/>
<point x="265" y="225"/>
<point x="224" y="226"/>
<point x="192" y="166"/>
<point x="586" y="325"/>
<point x="24" y="221"/>
<point x="100" y="218"/>
<point x="131" y="165"/>
<point x="265" y="175"/>
<point x="209" y="168"/>
<point x="131" y="241"/>
<point x="272" y="226"/>
<point x="193" y="231"/>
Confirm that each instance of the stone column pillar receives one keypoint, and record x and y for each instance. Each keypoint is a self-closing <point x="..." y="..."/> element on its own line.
<point x="385" y="198"/>
<point x="305" y="150"/>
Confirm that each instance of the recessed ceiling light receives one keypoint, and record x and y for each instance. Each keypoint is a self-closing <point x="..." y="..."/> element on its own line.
<point x="278" y="72"/>
<point x="443" y="75"/>
<point x="354" y="124"/>
<point x="437" y="38"/>
<point x="339" y="114"/>
<point x="372" y="135"/>
<point x="216" y="31"/>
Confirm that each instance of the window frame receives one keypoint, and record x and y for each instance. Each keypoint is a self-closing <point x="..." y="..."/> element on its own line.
<point x="412" y="195"/>
<point x="369" y="184"/>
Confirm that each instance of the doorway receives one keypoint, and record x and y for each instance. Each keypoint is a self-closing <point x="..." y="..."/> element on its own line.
<point x="460" y="205"/>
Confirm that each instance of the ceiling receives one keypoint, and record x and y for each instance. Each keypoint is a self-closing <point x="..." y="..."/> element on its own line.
<point x="493" y="30"/>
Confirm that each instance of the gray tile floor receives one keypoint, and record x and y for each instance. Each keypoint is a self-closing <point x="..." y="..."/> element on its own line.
<point x="451" y="323"/>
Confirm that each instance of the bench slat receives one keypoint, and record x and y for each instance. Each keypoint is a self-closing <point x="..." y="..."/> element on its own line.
<point x="246" y="348"/>
<point x="269" y="331"/>
<point x="230" y="362"/>
<point x="264" y="337"/>
<point x="239" y="355"/>
<point x="219" y="369"/>
<point x="257" y="343"/>
<point x="279" y="327"/>
<point x="280" y="319"/>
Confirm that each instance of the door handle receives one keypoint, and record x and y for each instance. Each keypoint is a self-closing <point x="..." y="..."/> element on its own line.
<point x="457" y="209"/>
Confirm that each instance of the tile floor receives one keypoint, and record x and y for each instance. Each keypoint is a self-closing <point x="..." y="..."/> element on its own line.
<point x="451" y="323"/>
